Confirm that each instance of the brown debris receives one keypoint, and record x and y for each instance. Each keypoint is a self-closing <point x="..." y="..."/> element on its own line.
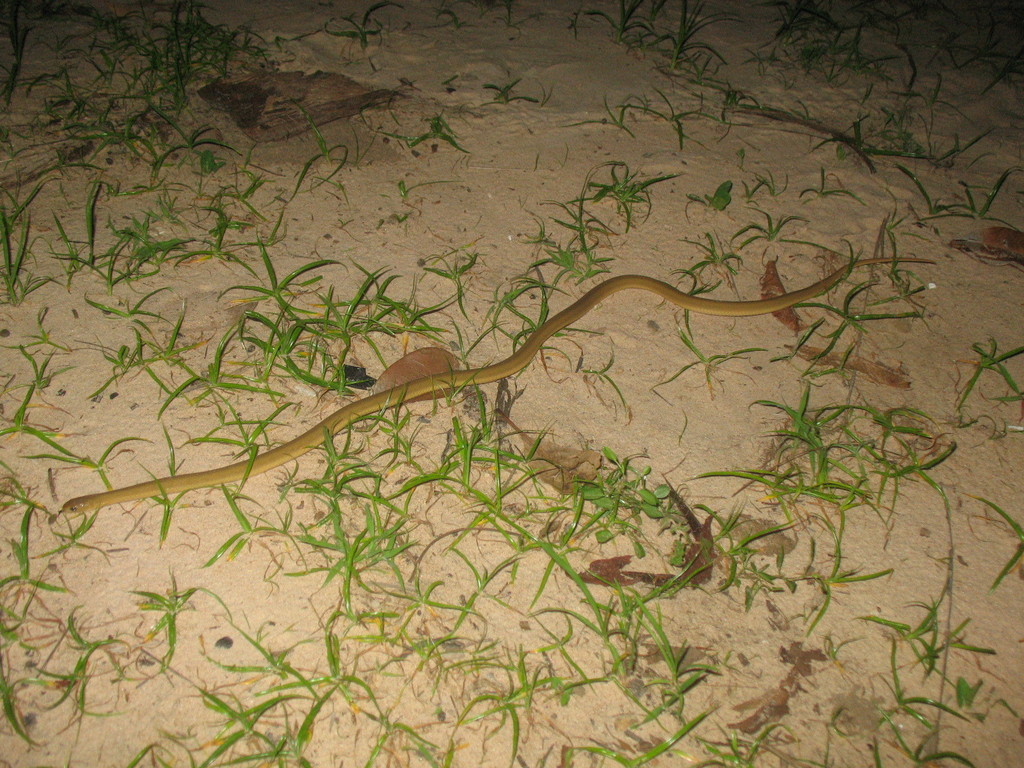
<point x="771" y="286"/>
<point x="699" y="558"/>
<point x="556" y="465"/>
<point x="997" y="244"/>
<point x="876" y="372"/>
<point x="774" y="705"/>
<point x="429" y="361"/>
<point x="610" y="571"/>
<point x="269" y="106"/>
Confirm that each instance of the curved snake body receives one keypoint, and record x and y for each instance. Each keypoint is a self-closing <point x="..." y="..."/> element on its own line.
<point x="453" y="381"/>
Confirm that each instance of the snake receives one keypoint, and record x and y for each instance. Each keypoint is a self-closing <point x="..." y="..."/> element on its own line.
<point x="438" y="385"/>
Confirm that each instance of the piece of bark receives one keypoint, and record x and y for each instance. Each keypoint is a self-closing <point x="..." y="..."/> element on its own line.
<point x="771" y="286"/>
<point x="269" y="106"/>
<point x="429" y="361"/>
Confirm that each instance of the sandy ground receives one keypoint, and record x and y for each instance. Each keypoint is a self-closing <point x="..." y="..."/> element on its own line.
<point x="295" y="641"/>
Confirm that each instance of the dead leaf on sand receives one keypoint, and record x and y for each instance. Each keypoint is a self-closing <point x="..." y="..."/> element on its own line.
<point x="609" y="570"/>
<point x="997" y="244"/>
<point x="1004" y="238"/>
<point x="771" y="286"/>
<point x="774" y="705"/>
<point x="876" y="372"/>
<point x="557" y="466"/>
<point x="429" y="361"/>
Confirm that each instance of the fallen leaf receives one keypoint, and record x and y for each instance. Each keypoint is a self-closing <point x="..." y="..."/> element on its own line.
<point x="609" y="570"/>
<point x="559" y="466"/>
<point x="699" y="558"/>
<point x="771" y="286"/>
<point x="429" y="361"/>
<point x="556" y="465"/>
<point x="773" y="705"/>
<point x="997" y="244"/>
<point x="1004" y="238"/>
<point x="876" y="372"/>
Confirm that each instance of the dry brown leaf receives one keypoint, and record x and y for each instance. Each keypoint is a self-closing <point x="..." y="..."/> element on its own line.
<point x="771" y="286"/>
<point x="773" y="705"/>
<point x="559" y="466"/>
<point x="554" y="464"/>
<point x="1004" y="238"/>
<point x="876" y="372"/>
<point x="769" y="708"/>
<point x="700" y="555"/>
<point x="997" y="244"/>
<point x="609" y="570"/>
<point x="429" y="361"/>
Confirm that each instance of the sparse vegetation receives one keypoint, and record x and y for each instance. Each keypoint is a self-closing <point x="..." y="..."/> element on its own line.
<point x="493" y="580"/>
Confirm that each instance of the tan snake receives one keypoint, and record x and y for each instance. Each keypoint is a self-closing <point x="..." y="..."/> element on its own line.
<point x="439" y="385"/>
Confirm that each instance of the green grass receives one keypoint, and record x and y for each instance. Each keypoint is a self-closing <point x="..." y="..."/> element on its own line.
<point x="360" y="28"/>
<point x="658" y="25"/>
<point x="435" y="589"/>
<point x="16" y="243"/>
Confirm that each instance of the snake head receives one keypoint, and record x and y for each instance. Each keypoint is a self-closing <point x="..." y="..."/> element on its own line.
<point x="74" y="505"/>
